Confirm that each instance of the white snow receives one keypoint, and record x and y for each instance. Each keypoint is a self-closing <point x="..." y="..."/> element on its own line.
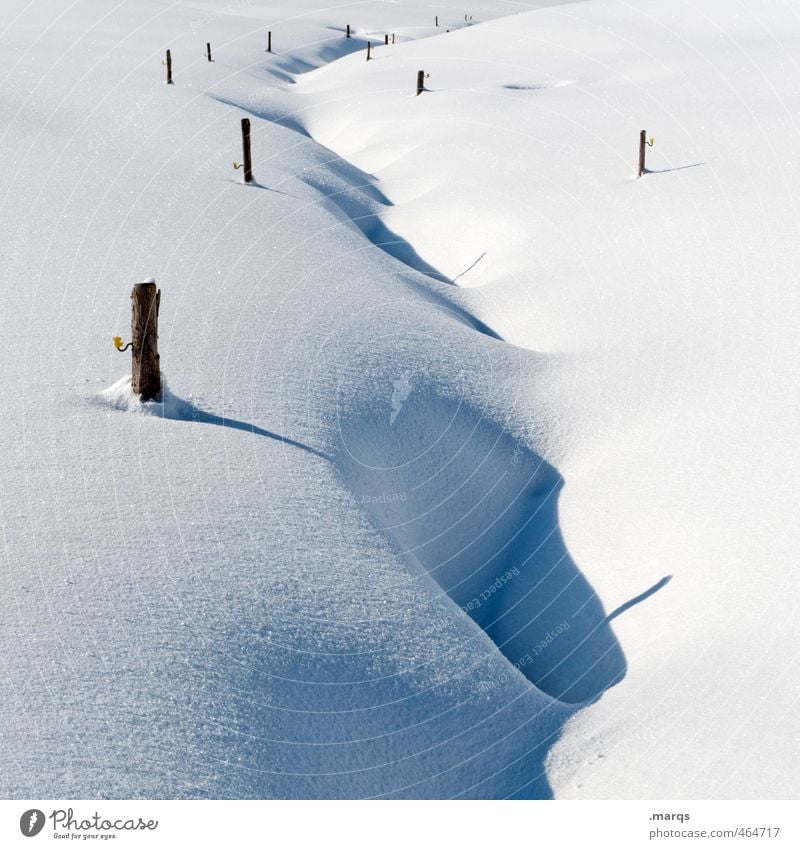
<point x="475" y="474"/>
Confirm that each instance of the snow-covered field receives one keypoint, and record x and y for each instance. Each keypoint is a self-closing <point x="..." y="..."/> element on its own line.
<point x="475" y="473"/>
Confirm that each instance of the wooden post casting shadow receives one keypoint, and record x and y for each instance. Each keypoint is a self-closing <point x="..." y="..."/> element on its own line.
<point x="642" y="141"/>
<point x="145" y="361"/>
<point x="248" y="162"/>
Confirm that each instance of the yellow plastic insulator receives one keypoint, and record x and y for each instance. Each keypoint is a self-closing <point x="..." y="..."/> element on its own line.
<point x="118" y="342"/>
<point x="236" y="166"/>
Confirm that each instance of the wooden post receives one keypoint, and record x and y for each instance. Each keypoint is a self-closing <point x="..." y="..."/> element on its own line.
<point x="348" y="31"/>
<point x="269" y="42"/>
<point x="208" y="51"/>
<point x="386" y="39"/>
<point x="437" y="20"/>
<point x="145" y="362"/>
<point x="169" y="68"/>
<point x="248" y="162"/>
<point x="420" y="82"/>
<point x="392" y="38"/>
<point x="642" y="143"/>
<point x="369" y="50"/>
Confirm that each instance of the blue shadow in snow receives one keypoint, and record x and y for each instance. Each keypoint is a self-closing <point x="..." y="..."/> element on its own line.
<point x="639" y="598"/>
<point x="202" y="417"/>
<point x="177" y="409"/>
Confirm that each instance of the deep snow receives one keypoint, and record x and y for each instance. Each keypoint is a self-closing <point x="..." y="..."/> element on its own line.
<point x="450" y="393"/>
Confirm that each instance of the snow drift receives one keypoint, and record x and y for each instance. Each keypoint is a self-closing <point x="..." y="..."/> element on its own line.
<point x="451" y="396"/>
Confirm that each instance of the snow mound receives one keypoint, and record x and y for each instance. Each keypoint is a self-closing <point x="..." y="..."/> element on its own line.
<point x="120" y="396"/>
<point x="479" y="512"/>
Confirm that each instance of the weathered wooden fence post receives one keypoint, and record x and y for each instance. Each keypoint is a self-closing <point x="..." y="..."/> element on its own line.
<point x="420" y="82"/>
<point x="145" y="362"/>
<point x="269" y="42"/>
<point x="169" y="68"/>
<point x="643" y="144"/>
<point x="437" y="20"/>
<point x="248" y="162"/>
<point x="392" y="38"/>
<point x="208" y="51"/>
<point x="386" y="39"/>
<point x="369" y="50"/>
<point x="348" y="31"/>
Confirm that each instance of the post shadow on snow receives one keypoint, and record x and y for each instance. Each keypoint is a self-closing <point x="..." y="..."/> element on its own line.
<point x="526" y="86"/>
<point x="254" y="184"/>
<point x="677" y="168"/>
<point x="202" y="417"/>
<point x="177" y="409"/>
<point x="639" y="598"/>
<point x="468" y="268"/>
